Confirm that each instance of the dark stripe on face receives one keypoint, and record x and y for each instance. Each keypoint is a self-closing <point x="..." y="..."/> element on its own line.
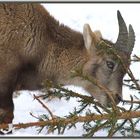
<point x="94" y="70"/>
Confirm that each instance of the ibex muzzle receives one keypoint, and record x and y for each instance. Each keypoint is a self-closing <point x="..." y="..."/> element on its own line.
<point x="34" y="47"/>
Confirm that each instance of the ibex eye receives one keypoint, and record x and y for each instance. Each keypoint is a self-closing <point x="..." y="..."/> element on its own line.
<point x="110" y="64"/>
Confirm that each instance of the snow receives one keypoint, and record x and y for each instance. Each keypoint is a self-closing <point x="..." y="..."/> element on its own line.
<point x="100" y="17"/>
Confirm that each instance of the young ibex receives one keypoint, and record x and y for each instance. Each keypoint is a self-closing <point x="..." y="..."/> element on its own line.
<point x="35" y="47"/>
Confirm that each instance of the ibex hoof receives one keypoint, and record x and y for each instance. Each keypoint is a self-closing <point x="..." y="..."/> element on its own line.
<point x="7" y="130"/>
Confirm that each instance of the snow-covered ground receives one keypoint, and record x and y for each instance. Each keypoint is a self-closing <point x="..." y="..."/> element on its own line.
<point x="100" y="17"/>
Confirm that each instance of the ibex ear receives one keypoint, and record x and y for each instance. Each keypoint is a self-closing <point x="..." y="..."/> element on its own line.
<point x="87" y="35"/>
<point x="98" y="35"/>
<point x="91" y="38"/>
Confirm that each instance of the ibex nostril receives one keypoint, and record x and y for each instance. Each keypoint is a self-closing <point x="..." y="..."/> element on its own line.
<point x="119" y="98"/>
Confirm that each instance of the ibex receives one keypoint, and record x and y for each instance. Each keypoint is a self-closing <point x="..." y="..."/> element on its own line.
<point x="35" y="47"/>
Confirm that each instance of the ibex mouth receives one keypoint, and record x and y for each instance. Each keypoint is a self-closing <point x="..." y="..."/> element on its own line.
<point x="117" y="99"/>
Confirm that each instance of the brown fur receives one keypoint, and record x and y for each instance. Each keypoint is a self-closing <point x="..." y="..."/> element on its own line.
<point x="35" y="47"/>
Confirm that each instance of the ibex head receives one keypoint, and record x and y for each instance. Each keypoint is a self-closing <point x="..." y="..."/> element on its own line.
<point x="104" y="65"/>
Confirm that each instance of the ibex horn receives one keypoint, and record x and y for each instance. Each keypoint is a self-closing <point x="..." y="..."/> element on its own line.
<point x="131" y="39"/>
<point x="122" y="41"/>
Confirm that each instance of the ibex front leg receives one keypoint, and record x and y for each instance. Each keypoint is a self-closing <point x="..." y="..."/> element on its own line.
<point x="7" y="83"/>
<point x="6" y="110"/>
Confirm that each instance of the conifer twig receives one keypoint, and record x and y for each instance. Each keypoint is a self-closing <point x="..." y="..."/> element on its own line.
<point x="129" y="101"/>
<point x="44" y="106"/>
<point x="34" y="115"/>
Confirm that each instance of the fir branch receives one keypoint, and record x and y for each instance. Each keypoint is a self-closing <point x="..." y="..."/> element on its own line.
<point x="44" y="106"/>
<point x="112" y="129"/>
<point x="118" y="128"/>
<point x="132" y="127"/>
<point x="129" y="72"/>
<point x="75" y="119"/>
<point x="69" y="93"/>
<point x="136" y="58"/>
<point x="93" y="130"/>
